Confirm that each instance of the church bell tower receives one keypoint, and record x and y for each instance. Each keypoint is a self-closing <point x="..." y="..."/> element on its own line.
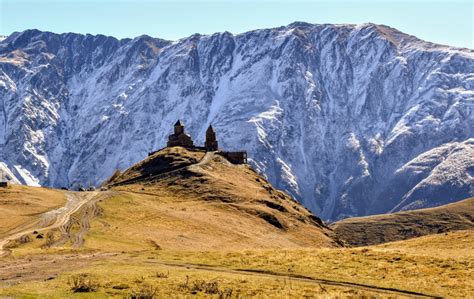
<point x="211" y="140"/>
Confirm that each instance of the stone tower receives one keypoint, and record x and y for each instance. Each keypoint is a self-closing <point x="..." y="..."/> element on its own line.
<point x="178" y="128"/>
<point x="211" y="141"/>
<point x="179" y="138"/>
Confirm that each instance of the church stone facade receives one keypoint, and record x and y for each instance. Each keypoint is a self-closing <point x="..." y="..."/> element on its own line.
<point x="180" y="138"/>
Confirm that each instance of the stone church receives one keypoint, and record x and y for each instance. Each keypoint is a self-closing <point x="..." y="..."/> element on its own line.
<point x="180" y="138"/>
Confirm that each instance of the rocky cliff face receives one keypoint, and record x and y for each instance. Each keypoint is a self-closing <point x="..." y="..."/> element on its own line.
<point x="349" y="119"/>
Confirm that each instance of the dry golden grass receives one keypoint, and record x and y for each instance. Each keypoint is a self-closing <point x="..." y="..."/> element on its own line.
<point x="379" y="229"/>
<point x="133" y="221"/>
<point x="216" y="205"/>
<point x="220" y="230"/>
<point x="21" y="205"/>
<point x="435" y="265"/>
<point x="141" y="274"/>
<point x="396" y="265"/>
<point x="264" y="272"/>
<point x="457" y="244"/>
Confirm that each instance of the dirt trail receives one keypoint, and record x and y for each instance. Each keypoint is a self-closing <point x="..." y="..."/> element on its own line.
<point x="43" y="267"/>
<point x="207" y="157"/>
<point x="82" y="219"/>
<point x="301" y="278"/>
<point x="51" y="219"/>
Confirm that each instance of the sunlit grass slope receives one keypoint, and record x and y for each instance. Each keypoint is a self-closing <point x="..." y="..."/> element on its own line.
<point x="20" y="206"/>
<point x="405" y="225"/>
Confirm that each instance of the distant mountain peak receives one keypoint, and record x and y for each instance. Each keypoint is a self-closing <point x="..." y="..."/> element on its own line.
<point x="349" y="119"/>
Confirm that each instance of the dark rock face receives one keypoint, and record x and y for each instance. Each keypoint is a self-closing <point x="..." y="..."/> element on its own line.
<point x="351" y="120"/>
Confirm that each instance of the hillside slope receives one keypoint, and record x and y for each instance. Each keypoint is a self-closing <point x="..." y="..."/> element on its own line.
<point x="187" y="199"/>
<point x="351" y="120"/>
<point x="187" y="223"/>
<point x="21" y="206"/>
<point x="406" y="225"/>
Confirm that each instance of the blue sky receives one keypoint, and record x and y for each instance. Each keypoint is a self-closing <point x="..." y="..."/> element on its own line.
<point x="442" y="21"/>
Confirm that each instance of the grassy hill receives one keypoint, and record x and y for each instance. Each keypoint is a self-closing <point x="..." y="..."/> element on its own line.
<point x="190" y="224"/>
<point x="21" y="206"/>
<point x="379" y="229"/>
<point x="184" y="199"/>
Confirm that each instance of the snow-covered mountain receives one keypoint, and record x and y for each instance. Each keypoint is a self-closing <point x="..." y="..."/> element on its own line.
<point x="349" y="119"/>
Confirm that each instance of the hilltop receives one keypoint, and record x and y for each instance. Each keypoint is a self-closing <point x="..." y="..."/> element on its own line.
<point x="175" y="199"/>
<point x="371" y="230"/>
<point x="197" y="199"/>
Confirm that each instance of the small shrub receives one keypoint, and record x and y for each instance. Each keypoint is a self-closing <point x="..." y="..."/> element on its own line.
<point x="24" y="239"/>
<point x="184" y="285"/>
<point x="211" y="288"/>
<point x="145" y="291"/>
<point x="206" y="287"/>
<point x="227" y="294"/>
<point x="82" y="283"/>
<point x="245" y="260"/>
<point x="139" y="279"/>
<point x="162" y="275"/>
<point x="18" y="242"/>
<point x="49" y="239"/>
<point x="121" y="286"/>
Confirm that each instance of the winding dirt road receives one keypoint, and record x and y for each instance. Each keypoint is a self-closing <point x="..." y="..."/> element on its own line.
<point x="81" y="219"/>
<point x="51" y="219"/>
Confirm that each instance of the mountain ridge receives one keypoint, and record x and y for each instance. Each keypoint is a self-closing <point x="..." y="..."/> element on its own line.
<point x="381" y="27"/>
<point x="379" y="229"/>
<point x="325" y="111"/>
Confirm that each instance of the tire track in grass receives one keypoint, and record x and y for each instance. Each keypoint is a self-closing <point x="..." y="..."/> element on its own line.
<point x="50" y="220"/>
<point x="302" y="278"/>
